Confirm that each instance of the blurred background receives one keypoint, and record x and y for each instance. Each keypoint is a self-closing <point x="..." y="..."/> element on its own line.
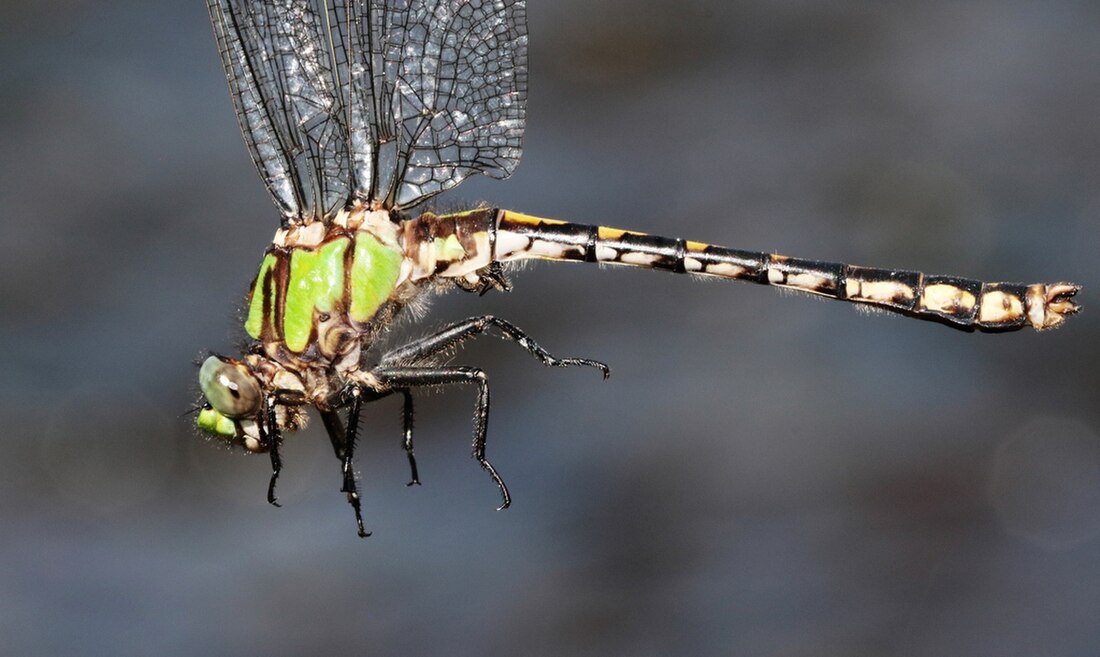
<point x="763" y="474"/>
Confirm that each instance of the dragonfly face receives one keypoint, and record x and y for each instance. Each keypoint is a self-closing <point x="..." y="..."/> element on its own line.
<point x="238" y="396"/>
<point x="233" y="401"/>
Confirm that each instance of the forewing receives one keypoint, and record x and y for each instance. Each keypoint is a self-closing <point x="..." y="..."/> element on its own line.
<point x="437" y="90"/>
<point x="282" y="68"/>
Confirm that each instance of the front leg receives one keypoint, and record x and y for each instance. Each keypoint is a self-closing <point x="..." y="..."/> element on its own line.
<point x="270" y="434"/>
<point x="419" y="377"/>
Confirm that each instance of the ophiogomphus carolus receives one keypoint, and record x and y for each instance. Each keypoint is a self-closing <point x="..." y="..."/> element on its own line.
<point x="355" y="112"/>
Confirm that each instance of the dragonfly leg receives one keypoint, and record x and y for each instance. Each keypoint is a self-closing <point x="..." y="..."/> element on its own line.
<point x="418" y="377"/>
<point x="269" y="428"/>
<point x="493" y="278"/>
<point x="334" y="426"/>
<point x="455" y="334"/>
<point x="337" y="435"/>
<point x="407" y="427"/>
<point x="489" y="278"/>
<point x="348" y="467"/>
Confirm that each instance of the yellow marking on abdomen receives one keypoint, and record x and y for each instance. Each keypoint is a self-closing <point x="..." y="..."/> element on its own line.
<point x="529" y="220"/>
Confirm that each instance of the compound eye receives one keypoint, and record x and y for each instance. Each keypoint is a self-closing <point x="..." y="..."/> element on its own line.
<point x="230" y="387"/>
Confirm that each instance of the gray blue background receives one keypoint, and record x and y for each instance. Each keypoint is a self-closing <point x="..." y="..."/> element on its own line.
<point x="763" y="474"/>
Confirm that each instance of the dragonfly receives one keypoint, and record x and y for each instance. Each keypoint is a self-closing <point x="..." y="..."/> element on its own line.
<point x="358" y="112"/>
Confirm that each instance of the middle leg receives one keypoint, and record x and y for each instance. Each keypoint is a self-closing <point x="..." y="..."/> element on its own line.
<point x="405" y="378"/>
<point x="343" y="444"/>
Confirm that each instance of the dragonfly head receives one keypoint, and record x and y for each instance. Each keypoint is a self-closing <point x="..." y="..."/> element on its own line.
<point x="235" y="391"/>
<point x="234" y="398"/>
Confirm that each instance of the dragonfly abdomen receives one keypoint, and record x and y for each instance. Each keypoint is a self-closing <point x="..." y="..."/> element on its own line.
<point x="960" y="302"/>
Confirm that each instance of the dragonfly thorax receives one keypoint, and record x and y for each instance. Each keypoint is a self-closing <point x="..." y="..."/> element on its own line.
<point x="326" y="289"/>
<point x="323" y="289"/>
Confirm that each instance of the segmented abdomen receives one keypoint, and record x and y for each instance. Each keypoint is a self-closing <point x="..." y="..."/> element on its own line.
<point x="960" y="302"/>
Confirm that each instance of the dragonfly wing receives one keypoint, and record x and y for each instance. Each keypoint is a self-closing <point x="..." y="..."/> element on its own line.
<point x="385" y="100"/>
<point x="437" y="91"/>
<point x="281" y="66"/>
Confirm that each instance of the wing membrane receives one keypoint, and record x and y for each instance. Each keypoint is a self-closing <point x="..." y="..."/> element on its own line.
<point x="280" y="71"/>
<point x="265" y="130"/>
<point x="391" y="101"/>
<point x="439" y="87"/>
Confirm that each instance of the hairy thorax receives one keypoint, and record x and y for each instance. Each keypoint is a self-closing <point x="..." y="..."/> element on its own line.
<point x="325" y="291"/>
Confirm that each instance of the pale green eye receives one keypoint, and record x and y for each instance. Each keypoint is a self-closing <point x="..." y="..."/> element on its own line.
<point x="230" y="388"/>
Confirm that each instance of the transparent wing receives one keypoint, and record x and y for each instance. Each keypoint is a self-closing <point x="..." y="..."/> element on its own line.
<point x="437" y="91"/>
<point x="280" y="65"/>
<point x="384" y="100"/>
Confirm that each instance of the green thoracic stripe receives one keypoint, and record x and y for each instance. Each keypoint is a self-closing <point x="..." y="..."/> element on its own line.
<point x="316" y="284"/>
<point x="256" y="321"/>
<point x="374" y="273"/>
